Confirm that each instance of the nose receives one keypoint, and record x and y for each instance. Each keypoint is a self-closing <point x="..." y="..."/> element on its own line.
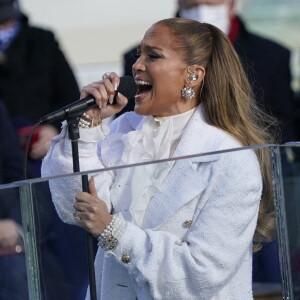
<point x="138" y="66"/>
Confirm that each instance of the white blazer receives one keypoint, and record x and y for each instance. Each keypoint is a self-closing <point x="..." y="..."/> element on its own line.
<point x="196" y="238"/>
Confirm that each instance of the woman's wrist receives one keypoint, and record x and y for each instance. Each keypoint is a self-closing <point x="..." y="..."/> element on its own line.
<point x="106" y="240"/>
<point x="110" y="240"/>
<point x="87" y="121"/>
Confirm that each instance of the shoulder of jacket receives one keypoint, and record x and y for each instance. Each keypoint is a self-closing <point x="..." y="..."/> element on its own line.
<point x="126" y="122"/>
<point x="262" y="42"/>
<point x="39" y="34"/>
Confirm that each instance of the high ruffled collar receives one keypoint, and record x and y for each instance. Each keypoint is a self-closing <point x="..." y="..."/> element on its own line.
<point x="155" y="138"/>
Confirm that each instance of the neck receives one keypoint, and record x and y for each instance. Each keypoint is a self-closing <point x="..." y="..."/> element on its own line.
<point x="189" y="104"/>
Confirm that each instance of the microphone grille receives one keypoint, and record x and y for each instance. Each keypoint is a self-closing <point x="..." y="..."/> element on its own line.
<point x="127" y="87"/>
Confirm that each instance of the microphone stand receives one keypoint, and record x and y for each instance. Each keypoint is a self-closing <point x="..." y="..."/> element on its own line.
<point x="73" y="121"/>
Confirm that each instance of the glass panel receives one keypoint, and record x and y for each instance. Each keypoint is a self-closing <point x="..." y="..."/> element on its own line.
<point x="60" y="249"/>
<point x="13" y="274"/>
<point x="279" y="164"/>
<point x="291" y="185"/>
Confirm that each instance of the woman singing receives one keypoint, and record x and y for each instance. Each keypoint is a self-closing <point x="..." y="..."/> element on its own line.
<point x="181" y="229"/>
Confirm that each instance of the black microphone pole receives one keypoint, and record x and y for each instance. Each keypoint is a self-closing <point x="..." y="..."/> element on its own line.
<point x="73" y="121"/>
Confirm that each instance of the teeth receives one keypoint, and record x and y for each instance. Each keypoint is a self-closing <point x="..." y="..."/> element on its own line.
<point x="142" y="82"/>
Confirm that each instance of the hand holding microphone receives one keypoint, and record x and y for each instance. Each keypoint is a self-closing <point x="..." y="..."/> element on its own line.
<point x="106" y="95"/>
<point x="99" y="96"/>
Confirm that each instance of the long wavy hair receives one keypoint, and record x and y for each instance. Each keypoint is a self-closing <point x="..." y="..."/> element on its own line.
<point x="228" y="102"/>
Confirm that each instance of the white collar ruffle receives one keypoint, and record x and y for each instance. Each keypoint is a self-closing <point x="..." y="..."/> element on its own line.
<point x="154" y="138"/>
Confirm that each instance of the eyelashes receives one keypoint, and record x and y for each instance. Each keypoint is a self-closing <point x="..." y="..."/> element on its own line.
<point x="151" y="56"/>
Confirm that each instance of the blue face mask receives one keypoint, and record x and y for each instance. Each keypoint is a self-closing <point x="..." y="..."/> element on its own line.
<point x="217" y="15"/>
<point x="7" y="35"/>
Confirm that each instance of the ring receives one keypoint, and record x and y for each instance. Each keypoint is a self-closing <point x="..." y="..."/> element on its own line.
<point x="105" y="75"/>
<point x="77" y="217"/>
<point x="18" y="249"/>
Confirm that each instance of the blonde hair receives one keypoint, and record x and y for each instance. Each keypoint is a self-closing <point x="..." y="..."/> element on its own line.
<point x="228" y="102"/>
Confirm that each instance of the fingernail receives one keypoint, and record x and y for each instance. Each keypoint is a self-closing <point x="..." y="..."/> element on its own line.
<point x="111" y="99"/>
<point x="100" y="105"/>
<point x="122" y="97"/>
<point x="116" y="86"/>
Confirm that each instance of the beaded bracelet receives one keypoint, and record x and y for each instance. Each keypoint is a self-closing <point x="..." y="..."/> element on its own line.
<point x="87" y="121"/>
<point x="106" y="240"/>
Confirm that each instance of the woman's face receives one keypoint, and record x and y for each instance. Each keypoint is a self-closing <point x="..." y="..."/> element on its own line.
<point x="160" y="75"/>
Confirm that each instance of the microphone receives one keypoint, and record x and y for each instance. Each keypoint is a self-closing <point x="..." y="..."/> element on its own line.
<point x="127" y="87"/>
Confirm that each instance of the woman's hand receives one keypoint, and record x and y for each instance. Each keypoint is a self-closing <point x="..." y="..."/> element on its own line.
<point x="104" y="91"/>
<point x="9" y="233"/>
<point x="40" y="148"/>
<point x="91" y="212"/>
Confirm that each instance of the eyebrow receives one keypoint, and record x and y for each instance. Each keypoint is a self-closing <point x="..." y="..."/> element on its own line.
<point x="147" y="48"/>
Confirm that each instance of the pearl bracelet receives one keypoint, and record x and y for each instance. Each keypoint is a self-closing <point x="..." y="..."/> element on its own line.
<point x="87" y="121"/>
<point x="106" y="239"/>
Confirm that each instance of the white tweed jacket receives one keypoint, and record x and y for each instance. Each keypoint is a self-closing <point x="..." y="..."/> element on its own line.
<point x="196" y="238"/>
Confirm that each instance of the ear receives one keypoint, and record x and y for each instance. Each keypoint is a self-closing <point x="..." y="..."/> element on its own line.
<point x="232" y="9"/>
<point x="195" y="75"/>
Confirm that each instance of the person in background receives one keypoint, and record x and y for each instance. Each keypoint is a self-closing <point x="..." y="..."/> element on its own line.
<point x="53" y="238"/>
<point x="266" y="63"/>
<point x="31" y="59"/>
<point x="181" y="229"/>
<point x="12" y="260"/>
<point x="34" y="68"/>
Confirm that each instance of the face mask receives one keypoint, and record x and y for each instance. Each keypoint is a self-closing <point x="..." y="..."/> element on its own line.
<point x="217" y="15"/>
<point x="7" y="35"/>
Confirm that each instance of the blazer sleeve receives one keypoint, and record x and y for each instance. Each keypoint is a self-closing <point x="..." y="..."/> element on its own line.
<point x="58" y="161"/>
<point x="215" y="247"/>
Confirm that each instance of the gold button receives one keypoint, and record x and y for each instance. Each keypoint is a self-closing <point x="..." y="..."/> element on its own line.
<point x="125" y="259"/>
<point x="187" y="223"/>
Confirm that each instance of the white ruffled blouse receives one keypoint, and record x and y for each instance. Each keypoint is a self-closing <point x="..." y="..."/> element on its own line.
<point x="155" y="139"/>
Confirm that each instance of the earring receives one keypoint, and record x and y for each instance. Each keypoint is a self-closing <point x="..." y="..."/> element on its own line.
<point x="188" y="93"/>
<point x="192" y="77"/>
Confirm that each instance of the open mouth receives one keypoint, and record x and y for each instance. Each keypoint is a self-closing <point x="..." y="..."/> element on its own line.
<point x="143" y="87"/>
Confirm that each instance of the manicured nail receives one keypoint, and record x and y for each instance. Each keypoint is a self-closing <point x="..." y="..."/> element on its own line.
<point x="122" y="98"/>
<point x="116" y="86"/>
<point x="111" y="99"/>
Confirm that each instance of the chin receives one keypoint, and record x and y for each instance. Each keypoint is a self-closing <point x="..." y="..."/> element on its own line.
<point x="140" y="111"/>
